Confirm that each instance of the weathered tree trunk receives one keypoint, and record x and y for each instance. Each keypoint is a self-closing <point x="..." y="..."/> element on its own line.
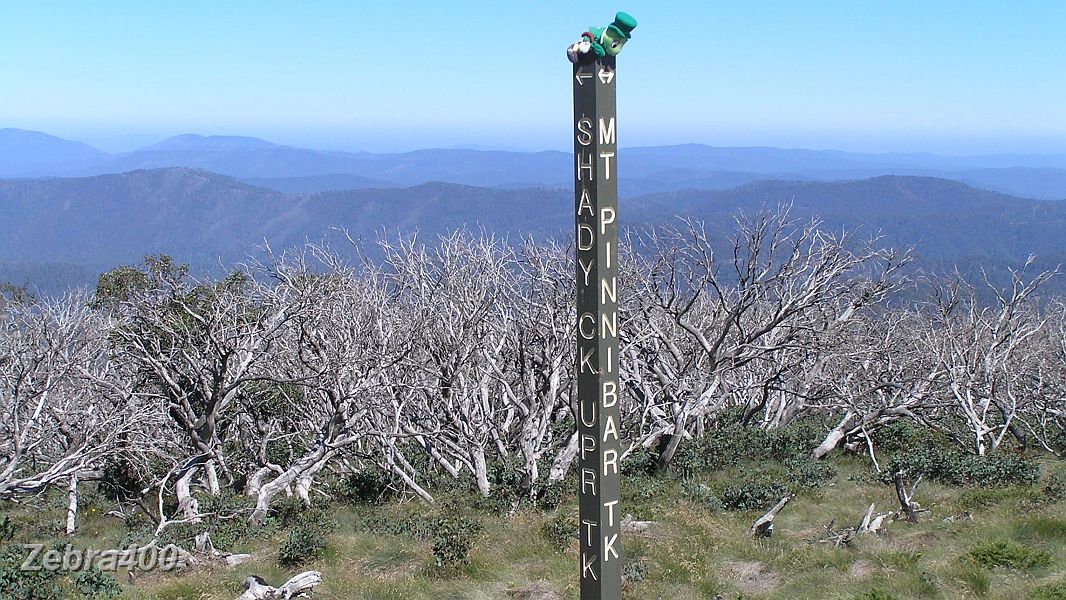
<point x="187" y="503"/>
<point x="563" y="460"/>
<point x="673" y="442"/>
<point x="211" y="478"/>
<point x="481" y="471"/>
<point x="255" y="482"/>
<point x="764" y="525"/>
<point x="832" y="439"/>
<point x="72" y="505"/>
<point x="301" y="471"/>
<point x="411" y="483"/>
<point x="302" y="584"/>
<point x="303" y="488"/>
<point x="908" y="507"/>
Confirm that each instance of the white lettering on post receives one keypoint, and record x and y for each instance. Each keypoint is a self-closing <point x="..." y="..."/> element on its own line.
<point x="588" y="478"/>
<point x="584" y="130"/>
<point x="606" y="131"/>
<point x="587" y="318"/>
<point x="586" y="237"/>
<point x="585" y="164"/>
<point x="607" y="156"/>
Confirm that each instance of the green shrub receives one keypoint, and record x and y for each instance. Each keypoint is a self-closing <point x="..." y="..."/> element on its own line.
<point x="560" y="530"/>
<point x="286" y="512"/>
<point x="1054" y="488"/>
<point x="641" y="462"/>
<point x="952" y="467"/>
<point x="366" y="487"/>
<point x="549" y="496"/>
<point x="16" y="584"/>
<point x="807" y="474"/>
<point x="702" y="494"/>
<point x="1055" y="591"/>
<point x="902" y="436"/>
<point x="1010" y="555"/>
<point x="729" y="442"/>
<point x="94" y="583"/>
<point x="756" y="493"/>
<point x="120" y="481"/>
<point x="453" y="537"/>
<point x="303" y="544"/>
<point x="642" y="488"/>
<point x="8" y="529"/>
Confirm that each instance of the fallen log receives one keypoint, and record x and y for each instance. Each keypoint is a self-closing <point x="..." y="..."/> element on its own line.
<point x="764" y="525"/>
<point x="257" y="589"/>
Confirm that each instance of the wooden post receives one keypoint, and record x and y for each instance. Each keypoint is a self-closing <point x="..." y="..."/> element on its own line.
<point x="596" y="209"/>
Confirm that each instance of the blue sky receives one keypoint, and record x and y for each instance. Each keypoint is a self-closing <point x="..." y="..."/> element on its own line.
<point x="950" y="77"/>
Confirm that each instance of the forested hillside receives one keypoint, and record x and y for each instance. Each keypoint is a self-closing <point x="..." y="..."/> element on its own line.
<point x="79" y="226"/>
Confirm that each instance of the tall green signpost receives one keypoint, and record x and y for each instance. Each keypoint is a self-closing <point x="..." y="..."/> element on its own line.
<point x="596" y="211"/>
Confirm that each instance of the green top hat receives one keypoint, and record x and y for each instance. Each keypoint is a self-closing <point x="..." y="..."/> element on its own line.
<point x="623" y="24"/>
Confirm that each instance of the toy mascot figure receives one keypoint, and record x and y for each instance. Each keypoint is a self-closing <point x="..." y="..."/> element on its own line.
<point x="605" y="41"/>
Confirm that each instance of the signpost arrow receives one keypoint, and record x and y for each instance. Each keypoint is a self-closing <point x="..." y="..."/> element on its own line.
<point x="606" y="75"/>
<point x="582" y="76"/>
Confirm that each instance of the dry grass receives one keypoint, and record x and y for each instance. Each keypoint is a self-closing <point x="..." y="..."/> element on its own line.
<point x="692" y="552"/>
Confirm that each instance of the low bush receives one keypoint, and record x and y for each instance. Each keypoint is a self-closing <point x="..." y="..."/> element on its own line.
<point x="729" y="442"/>
<point x="366" y="487"/>
<point x="560" y="530"/>
<point x="16" y="584"/>
<point x="952" y="467"/>
<point x="94" y="583"/>
<point x="1009" y="555"/>
<point x="8" y="529"/>
<point x="703" y="495"/>
<point x="642" y="462"/>
<point x="806" y="474"/>
<point x="304" y="543"/>
<point x="901" y="436"/>
<point x="1054" y="487"/>
<point x="454" y="535"/>
<point x="642" y="488"/>
<point x="757" y="493"/>
<point x="120" y="481"/>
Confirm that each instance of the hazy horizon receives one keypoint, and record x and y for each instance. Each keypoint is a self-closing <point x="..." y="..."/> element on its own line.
<point x="907" y="77"/>
<point x="119" y="143"/>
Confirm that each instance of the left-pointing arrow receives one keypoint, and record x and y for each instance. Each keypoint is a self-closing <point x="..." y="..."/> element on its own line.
<point x="606" y="75"/>
<point x="581" y="76"/>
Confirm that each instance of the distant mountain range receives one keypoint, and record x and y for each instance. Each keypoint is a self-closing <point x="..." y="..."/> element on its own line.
<point x="646" y="170"/>
<point x="59" y="231"/>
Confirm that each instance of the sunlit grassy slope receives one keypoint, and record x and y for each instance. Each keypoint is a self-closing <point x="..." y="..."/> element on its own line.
<point x="692" y="550"/>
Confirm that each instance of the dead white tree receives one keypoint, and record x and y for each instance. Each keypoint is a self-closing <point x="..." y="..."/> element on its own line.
<point x="456" y="410"/>
<point x="343" y="353"/>
<point x="701" y="319"/>
<point x="64" y="407"/>
<point x="197" y="344"/>
<point x="986" y="351"/>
